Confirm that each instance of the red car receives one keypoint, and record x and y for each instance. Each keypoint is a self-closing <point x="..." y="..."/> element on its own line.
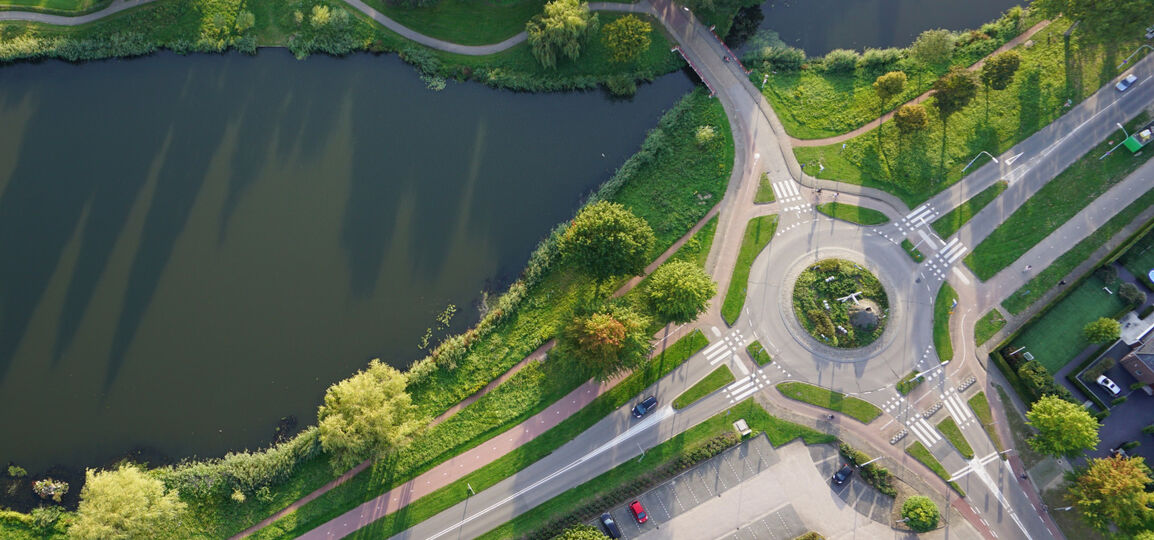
<point x="638" y="512"/>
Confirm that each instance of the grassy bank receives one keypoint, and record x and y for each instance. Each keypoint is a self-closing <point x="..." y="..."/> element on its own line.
<point x="912" y="251"/>
<point x="55" y="7"/>
<point x="1056" y="337"/>
<point x="1053" y="205"/>
<point x="853" y="214"/>
<point x="916" y="166"/>
<point x="758" y="232"/>
<point x="943" y="309"/>
<point x="765" y="194"/>
<point x="953" y="433"/>
<point x="716" y="379"/>
<point x="988" y="325"/>
<point x="981" y="407"/>
<point x="949" y="224"/>
<point x="859" y="410"/>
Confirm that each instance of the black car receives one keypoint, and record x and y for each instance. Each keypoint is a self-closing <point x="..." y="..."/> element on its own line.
<point x="610" y="526"/>
<point x="646" y="405"/>
<point x="842" y="475"/>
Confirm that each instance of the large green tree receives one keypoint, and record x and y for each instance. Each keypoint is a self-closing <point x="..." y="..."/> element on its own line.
<point x="1064" y="429"/>
<point x="562" y="29"/>
<point x="679" y="291"/>
<point x="126" y="503"/>
<point x="952" y="93"/>
<point x="920" y="513"/>
<point x="933" y="47"/>
<point x="1106" y="21"/>
<point x="606" y="239"/>
<point x="998" y="72"/>
<point x="886" y="87"/>
<point x="1103" y="330"/>
<point x="607" y="341"/>
<point x="627" y="38"/>
<point x="368" y="415"/>
<point x="1112" y="491"/>
<point x="911" y="118"/>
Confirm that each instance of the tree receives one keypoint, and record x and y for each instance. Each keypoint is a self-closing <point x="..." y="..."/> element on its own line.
<point x="1132" y="294"/>
<point x="920" y="513"/>
<point x="952" y="93"/>
<point x="910" y="118"/>
<point x="581" y="532"/>
<point x="886" y="87"/>
<point x="933" y="47"/>
<point x="561" y="29"/>
<point x="998" y="72"/>
<point x="627" y="38"/>
<point x="1064" y="429"/>
<point x="608" y="341"/>
<point x="1103" y="330"/>
<point x="1112" y="490"/>
<point x="606" y="239"/>
<point x="367" y="415"/>
<point x="126" y="503"/>
<point x="679" y="291"/>
<point x="1144" y="535"/>
<point x="1105" y="21"/>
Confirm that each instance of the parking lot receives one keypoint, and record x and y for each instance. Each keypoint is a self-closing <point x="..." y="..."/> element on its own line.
<point x="697" y="485"/>
<point x="866" y="500"/>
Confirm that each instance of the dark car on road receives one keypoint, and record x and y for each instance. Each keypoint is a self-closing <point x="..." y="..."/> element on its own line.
<point x="638" y="512"/>
<point x="842" y="475"/>
<point x="646" y="405"/>
<point x="610" y="526"/>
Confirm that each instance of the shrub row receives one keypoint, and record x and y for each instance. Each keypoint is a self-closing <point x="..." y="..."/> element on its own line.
<point x="875" y="475"/>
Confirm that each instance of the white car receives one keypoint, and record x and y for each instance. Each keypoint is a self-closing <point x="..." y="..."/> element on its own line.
<point x="1109" y="385"/>
<point x="1125" y="83"/>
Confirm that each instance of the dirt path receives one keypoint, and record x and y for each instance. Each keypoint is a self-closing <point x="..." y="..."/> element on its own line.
<point x="1021" y="38"/>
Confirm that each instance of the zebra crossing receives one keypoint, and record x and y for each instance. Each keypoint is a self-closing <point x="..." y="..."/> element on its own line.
<point x="915" y="423"/>
<point x="958" y="408"/>
<point x="725" y="349"/>
<point x="746" y="386"/>
<point x="789" y="196"/>
<point x="941" y="262"/>
<point x="918" y="218"/>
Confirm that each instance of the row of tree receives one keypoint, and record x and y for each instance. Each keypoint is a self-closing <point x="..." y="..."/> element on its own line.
<point x="566" y="26"/>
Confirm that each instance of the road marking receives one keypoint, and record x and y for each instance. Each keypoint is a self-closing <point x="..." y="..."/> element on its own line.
<point x="1010" y="160"/>
<point x="785" y="189"/>
<point x="716" y="332"/>
<point x="924" y="431"/>
<point x="929" y="241"/>
<point x="961" y="275"/>
<point x="740" y="365"/>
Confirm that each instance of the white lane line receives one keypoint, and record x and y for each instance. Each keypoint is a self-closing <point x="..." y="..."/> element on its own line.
<point x="748" y="392"/>
<point x="657" y="416"/>
<point x="932" y="434"/>
<point x="929" y="241"/>
<point x="961" y="275"/>
<point x="910" y="216"/>
<point x="740" y="365"/>
<point x="919" y="433"/>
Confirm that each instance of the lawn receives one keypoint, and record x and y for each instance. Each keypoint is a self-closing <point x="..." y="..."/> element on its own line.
<point x="953" y="433"/>
<point x="716" y="379"/>
<point x="981" y="407"/>
<point x="765" y="193"/>
<point x="622" y="481"/>
<point x="919" y="452"/>
<point x="463" y="21"/>
<point x="917" y="166"/>
<point x="907" y="384"/>
<point x="912" y="251"/>
<point x="853" y="214"/>
<point x="1056" y="337"/>
<point x="58" y="7"/>
<point x="758" y="353"/>
<point x="384" y="476"/>
<point x="825" y="398"/>
<point x="696" y="249"/>
<point x="758" y="232"/>
<point x="1029" y="293"/>
<point x="988" y="325"/>
<point x="953" y="220"/>
<point x="1053" y="205"/>
<point x="943" y="310"/>
<point x="1139" y="258"/>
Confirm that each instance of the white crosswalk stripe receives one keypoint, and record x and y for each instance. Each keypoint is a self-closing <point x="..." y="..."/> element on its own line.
<point x="957" y="408"/>
<point x="918" y="218"/>
<point x="924" y="431"/>
<point x="746" y="386"/>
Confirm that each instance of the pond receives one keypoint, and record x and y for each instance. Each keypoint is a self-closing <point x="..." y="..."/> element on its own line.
<point x="192" y="248"/>
<point x="819" y="26"/>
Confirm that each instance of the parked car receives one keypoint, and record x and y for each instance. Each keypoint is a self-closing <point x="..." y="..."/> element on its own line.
<point x="646" y="405"/>
<point x="638" y="512"/>
<point x="610" y="526"/>
<point x="1126" y="83"/>
<point x="842" y="475"/>
<point x="1109" y="385"/>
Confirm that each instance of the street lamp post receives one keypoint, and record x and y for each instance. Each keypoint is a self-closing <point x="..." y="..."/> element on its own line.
<point x="941" y="365"/>
<point x="1140" y="47"/>
<point x="976" y="158"/>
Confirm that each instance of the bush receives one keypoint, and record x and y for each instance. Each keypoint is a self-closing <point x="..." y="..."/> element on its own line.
<point x="1149" y="430"/>
<point x="880" y="60"/>
<point x="780" y="58"/>
<point x="44" y="518"/>
<point x="1108" y="274"/>
<point x="1130" y="445"/>
<point x="16" y="471"/>
<point x="1131" y="294"/>
<point x="621" y="85"/>
<point x="1039" y="381"/>
<point x="1146" y="311"/>
<point x="920" y="513"/>
<point x="876" y="476"/>
<point x="245" y="472"/>
<point x="1118" y="400"/>
<point x="1091" y="374"/>
<point x="50" y="488"/>
<point x="841" y="61"/>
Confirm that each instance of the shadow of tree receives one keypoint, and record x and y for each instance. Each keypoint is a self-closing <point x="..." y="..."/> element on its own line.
<point x="1030" y="101"/>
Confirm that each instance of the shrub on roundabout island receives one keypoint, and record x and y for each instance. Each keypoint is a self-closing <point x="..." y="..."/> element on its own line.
<point x="840" y="303"/>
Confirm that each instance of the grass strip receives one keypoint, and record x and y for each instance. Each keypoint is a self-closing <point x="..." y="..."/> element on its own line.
<point x="758" y="353"/>
<point x="949" y="224"/>
<point x="860" y="410"/>
<point x="764" y="191"/>
<point x="988" y="325"/>
<point x="912" y="251"/>
<point x="943" y="310"/>
<point x="981" y="407"/>
<point x="1053" y="205"/>
<point x="919" y="452"/>
<point x="953" y="433"/>
<point x="853" y="214"/>
<point x="909" y="382"/>
<point x="1020" y="431"/>
<point x="337" y="502"/>
<point x="625" y="477"/>
<point x="716" y="379"/>
<point x="1029" y="293"/>
<point x="758" y="232"/>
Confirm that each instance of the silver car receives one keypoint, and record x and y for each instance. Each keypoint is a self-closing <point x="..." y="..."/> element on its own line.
<point x="1109" y="385"/>
<point x="1126" y="83"/>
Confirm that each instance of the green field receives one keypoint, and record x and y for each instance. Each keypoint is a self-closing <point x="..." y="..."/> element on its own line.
<point x="462" y="21"/>
<point x="912" y="251"/>
<point x="716" y="379"/>
<point x="860" y="410"/>
<point x="1139" y="259"/>
<point x="758" y="232"/>
<point x="1056" y="337"/>
<point x="943" y="308"/>
<point x="758" y="353"/>
<point x="953" y="220"/>
<point x="57" y="7"/>
<point x="853" y="214"/>
<point x="988" y="325"/>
